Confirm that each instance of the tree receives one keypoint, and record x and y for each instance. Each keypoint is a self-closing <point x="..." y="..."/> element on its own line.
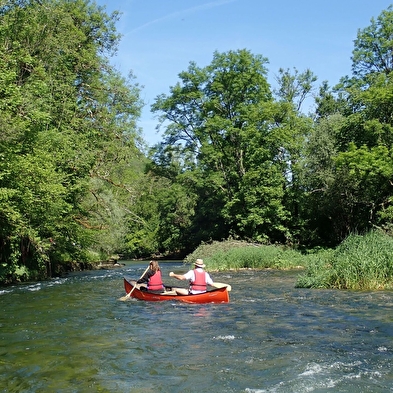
<point x="322" y="194"/>
<point x="236" y="144"/>
<point x="295" y="87"/>
<point x="373" y="47"/>
<point x="355" y="192"/>
<point x="330" y="101"/>
<point x="69" y="132"/>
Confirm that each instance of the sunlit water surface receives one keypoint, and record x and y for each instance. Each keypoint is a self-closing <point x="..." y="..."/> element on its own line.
<point x="73" y="334"/>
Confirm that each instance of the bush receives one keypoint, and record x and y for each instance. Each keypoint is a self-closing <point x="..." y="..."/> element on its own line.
<point x="359" y="262"/>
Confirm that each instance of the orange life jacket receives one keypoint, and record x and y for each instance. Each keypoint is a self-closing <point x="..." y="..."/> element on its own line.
<point x="155" y="282"/>
<point x="199" y="284"/>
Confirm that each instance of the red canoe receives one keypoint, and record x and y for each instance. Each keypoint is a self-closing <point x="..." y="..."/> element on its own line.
<point x="216" y="295"/>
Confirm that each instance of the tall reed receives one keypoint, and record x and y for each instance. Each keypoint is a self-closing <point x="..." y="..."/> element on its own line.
<point x="359" y="262"/>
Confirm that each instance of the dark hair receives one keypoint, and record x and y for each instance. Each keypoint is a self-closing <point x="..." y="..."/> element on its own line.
<point x="154" y="266"/>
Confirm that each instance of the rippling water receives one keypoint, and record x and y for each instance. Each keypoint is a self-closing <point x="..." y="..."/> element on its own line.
<point x="73" y="335"/>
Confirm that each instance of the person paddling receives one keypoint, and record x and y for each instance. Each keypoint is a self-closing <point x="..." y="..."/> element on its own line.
<point x="153" y="278"/>
<point x="198" y="278"/>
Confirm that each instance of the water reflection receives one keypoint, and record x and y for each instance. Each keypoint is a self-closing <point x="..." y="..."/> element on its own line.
<point x="73" y="335"/>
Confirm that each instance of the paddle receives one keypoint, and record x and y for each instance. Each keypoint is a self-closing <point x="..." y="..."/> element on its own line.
<point x="215" y="284"/>
<point x="222" y="285"/>
<point x="129" y="293"/>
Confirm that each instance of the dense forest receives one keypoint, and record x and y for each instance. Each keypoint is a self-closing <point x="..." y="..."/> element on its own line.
<point x="238" y="159"/>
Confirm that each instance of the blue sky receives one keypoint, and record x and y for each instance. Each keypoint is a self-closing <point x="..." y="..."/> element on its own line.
<point x="161" y="37"/>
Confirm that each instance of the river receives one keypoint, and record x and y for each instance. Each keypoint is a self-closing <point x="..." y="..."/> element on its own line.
<point x="73" y="334"/>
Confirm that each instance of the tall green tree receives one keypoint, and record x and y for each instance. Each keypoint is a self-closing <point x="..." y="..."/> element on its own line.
<point x="367" y="137"/>
<point x="357" y="192"/>
<point x="67" y="117"/>
<point x="236" y="144"/>
<point x="373" y="47"/>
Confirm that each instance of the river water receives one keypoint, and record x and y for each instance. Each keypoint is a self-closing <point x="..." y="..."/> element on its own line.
<point x="73" y="334"/>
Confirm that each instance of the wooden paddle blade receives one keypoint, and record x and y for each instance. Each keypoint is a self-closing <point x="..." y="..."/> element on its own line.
<point x="222" y="285"/>
<point x="123" y="298"/>
<point x="129" y="294"/>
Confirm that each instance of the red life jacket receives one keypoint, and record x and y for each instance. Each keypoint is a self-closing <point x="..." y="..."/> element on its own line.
<point x="155" y="282"/>
<point x="199" y="284"/>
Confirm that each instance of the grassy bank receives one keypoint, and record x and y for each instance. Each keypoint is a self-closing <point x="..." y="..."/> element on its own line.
<point x="236" y="255"/>
<point x="361" y="262"/>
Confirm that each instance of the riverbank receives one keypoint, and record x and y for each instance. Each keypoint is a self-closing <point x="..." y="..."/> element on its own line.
<point x="360" y="262"/>
<point x="82" y="266"/>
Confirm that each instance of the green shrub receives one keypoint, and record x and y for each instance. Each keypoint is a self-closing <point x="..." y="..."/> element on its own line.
<point x="318" y="273"/>
<point x="359" y="262"/>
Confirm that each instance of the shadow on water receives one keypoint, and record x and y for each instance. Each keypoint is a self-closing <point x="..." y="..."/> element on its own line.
<point x="73" y="335"/>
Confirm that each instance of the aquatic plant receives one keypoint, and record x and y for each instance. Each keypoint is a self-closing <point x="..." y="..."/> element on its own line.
<point x="359" y="262"/>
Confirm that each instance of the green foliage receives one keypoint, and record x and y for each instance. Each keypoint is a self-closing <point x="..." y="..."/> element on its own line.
<point x="230" y="254"/>
<point x="296" y="87"/>
<point x="359" y="262"/>
<point x="329" y="102"/>
<point x="69" y="144"/>
<point x="160" y="218"/>
<point x="319" y="273"/>
<point x="237" y="146"/>
<point x="373" y="46"/>
<point x="348" y="166"/>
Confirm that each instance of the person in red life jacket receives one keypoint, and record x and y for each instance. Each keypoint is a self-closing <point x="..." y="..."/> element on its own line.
<point x="198" y="279"/>
<point x="153" y="278"/>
